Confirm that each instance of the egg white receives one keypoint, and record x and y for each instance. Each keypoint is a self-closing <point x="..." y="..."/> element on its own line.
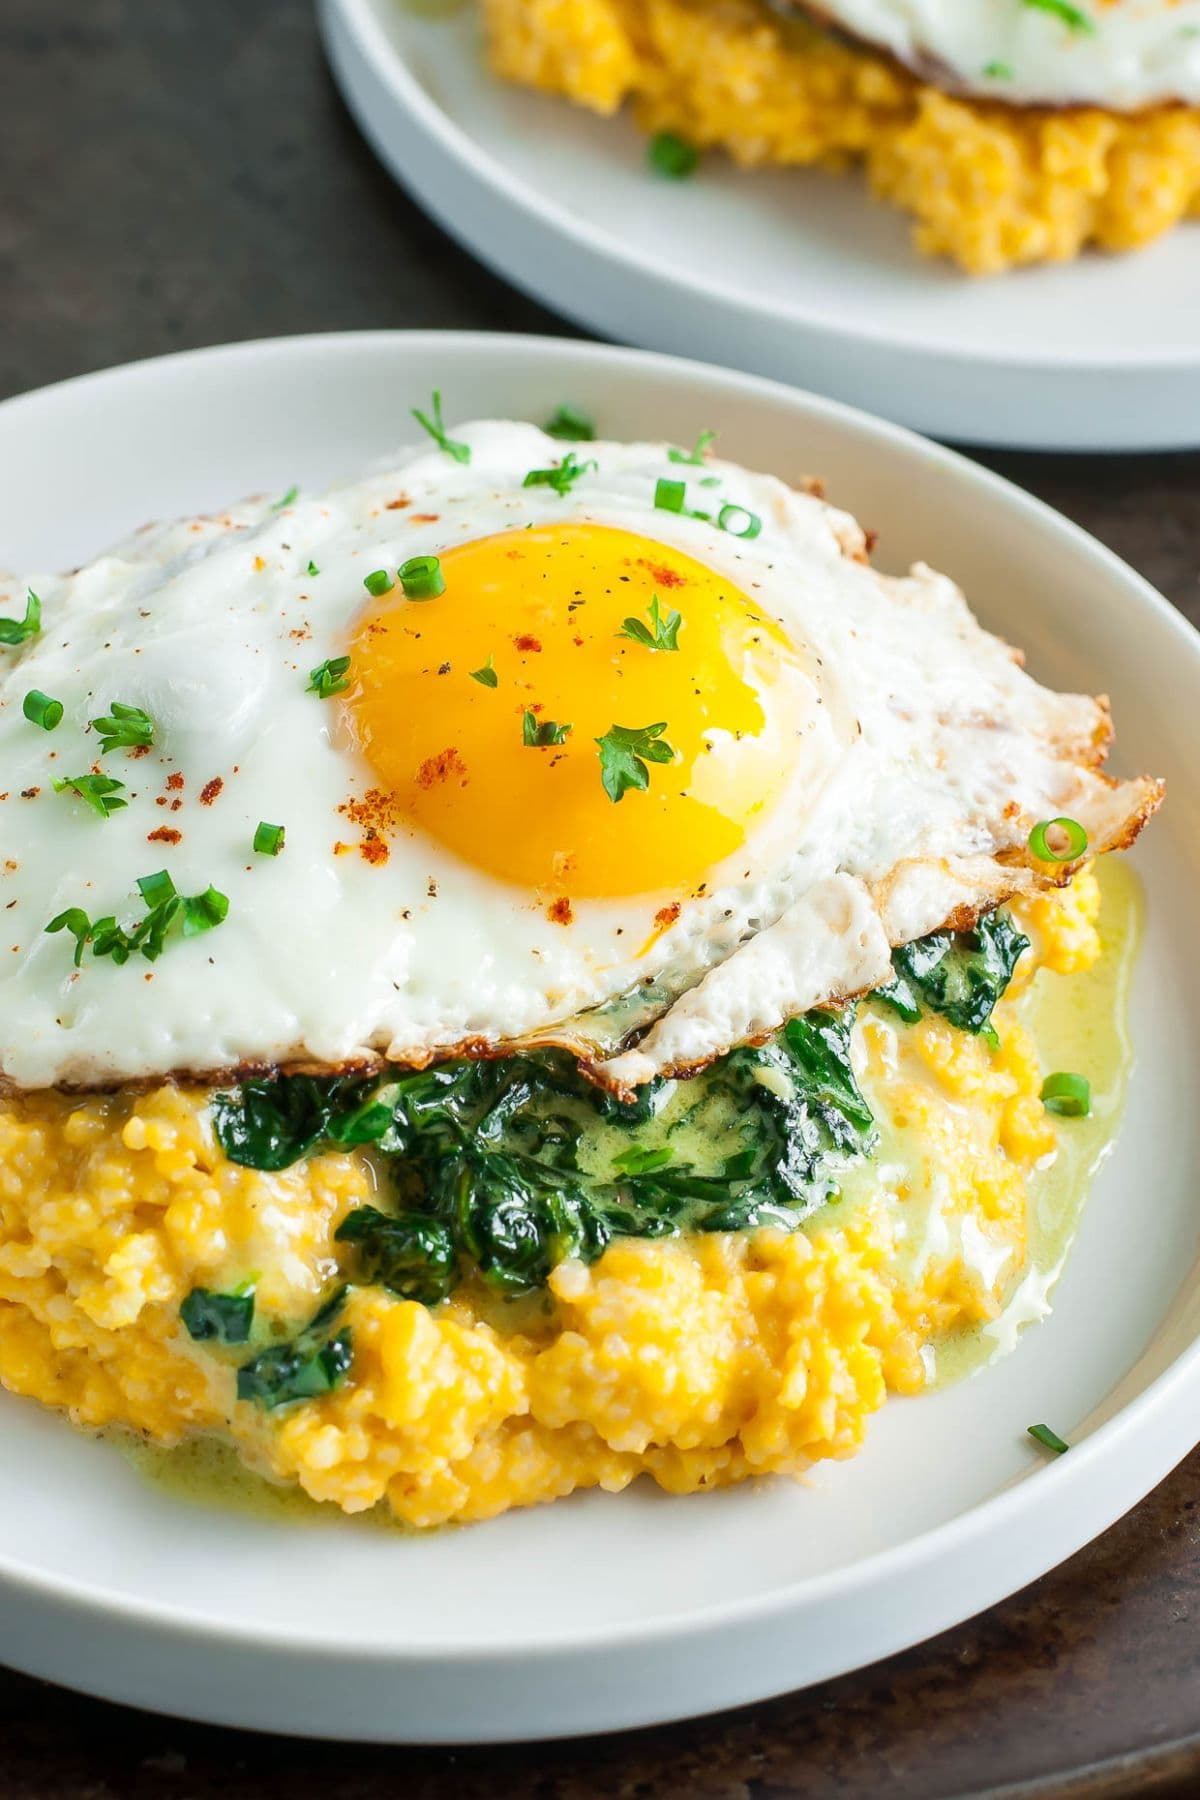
<point x="923" y="753"/>
<point x="1121" y="54"/>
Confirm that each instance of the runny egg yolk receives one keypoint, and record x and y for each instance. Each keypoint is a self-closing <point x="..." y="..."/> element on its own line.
<point x="544" y="610"/>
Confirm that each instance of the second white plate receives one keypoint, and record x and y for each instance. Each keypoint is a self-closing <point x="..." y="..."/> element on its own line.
<point x="794" y="274"/>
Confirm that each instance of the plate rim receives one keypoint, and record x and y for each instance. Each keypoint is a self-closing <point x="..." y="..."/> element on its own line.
<point x="360" y="19"/>
<point x="1157" y="1414"/>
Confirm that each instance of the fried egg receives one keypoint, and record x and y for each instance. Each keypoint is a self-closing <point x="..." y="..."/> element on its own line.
<point x="640" y="756"/>
<point x="1121" y="54"/>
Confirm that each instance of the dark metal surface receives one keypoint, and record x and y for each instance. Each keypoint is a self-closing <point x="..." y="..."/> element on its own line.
<point x="174" y="174"/>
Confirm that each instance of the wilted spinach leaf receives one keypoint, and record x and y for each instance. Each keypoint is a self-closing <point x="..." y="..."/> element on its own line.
<point x="408" y="1252"/>
<point x="226" y="1317"/>
<point x="272" y="1124"/>
<point x="312" y="1363"/>
<point x="961" y="974"/>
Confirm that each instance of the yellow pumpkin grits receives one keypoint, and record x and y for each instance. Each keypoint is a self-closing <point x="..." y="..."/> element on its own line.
<point x="698" y="1360"/>
<point x="988" y="185"/>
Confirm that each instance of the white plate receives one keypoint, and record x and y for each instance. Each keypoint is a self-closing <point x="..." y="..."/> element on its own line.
<point x="600" y="1612"/>
<point x="795" y="274"/>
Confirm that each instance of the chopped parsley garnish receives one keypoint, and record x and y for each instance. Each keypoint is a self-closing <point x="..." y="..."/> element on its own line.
<point x="194" y="914"/>
<point x="669" y="496"/>
<point x="541" y="734"/>
<point x="624" y="752"/>
<point x="433" y="423"/>
<point x="100" y="792"/>
<point x="960" y="974"/>
<point x="696" y="453"/>
<point x="486" y="677"/>
<point x="41" y="710"/>
<point x="570" y="425"/>
<point x="124" y="728"/>
<point x="225" y="1317"/>
<point x="1067" y="1094"/>
<point x="739" y="521"/>
<point x="201" y="912"/>
<point x="662" y="634"/>
<point x="563" y="478"/>
<point x="312" y="567"/>
<point x="76" y="921"/>
<point x="672" y="155"/>
<point x="329" y="678"/>
<point x="1050" y="1440"/>
<point x="378" y="583"/>
<point x="268" y="839"/>
<point x="16" y="631"/>
<point x="1062" y="9"/>
<point x="285" y="499"/>
<point x="421" y="578"/>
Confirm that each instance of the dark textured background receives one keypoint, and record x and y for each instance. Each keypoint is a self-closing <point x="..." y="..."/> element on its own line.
<point x="180" y="172"/>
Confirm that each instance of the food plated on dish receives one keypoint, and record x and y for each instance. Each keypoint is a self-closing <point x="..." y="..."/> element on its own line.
<point x="537" y="966"/>
<point x="1014" y="131"/>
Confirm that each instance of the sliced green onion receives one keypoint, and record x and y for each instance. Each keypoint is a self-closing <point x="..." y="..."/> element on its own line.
<point x="1050" y="1440"/>
<point x="268" y="839"/>
<point x="378" y="583"/>
<point x="329" y="678"/>
<point x="739" y="521"/>
<point x="284" y="499"/>
<point x="421" y="578"/>
<point x="41" y="710"/>
<point x="1068" y="1095"/>
<point x="1072" y="840"/>
<point x="570" y="425"/>
<point x="672" y="155"/>
<point x="312" y="567"/>
<point x="998" y="71"/>
<point x="486" y="676"/>
<point x="669" y="496"/>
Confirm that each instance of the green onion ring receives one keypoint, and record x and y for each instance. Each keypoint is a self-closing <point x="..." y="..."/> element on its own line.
<point x="727" y="516"/>
<point x="1076" y="836"/>
<point x="41" y="710"/>
<point x="421" y="578"/>
<point x="268" y="839"/>
<point x="1068" y="1095"/>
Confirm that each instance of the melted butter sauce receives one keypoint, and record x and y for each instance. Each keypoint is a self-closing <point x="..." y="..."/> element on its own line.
<point x="1079" y="1022"/>
<point x="208" y="1472"/>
